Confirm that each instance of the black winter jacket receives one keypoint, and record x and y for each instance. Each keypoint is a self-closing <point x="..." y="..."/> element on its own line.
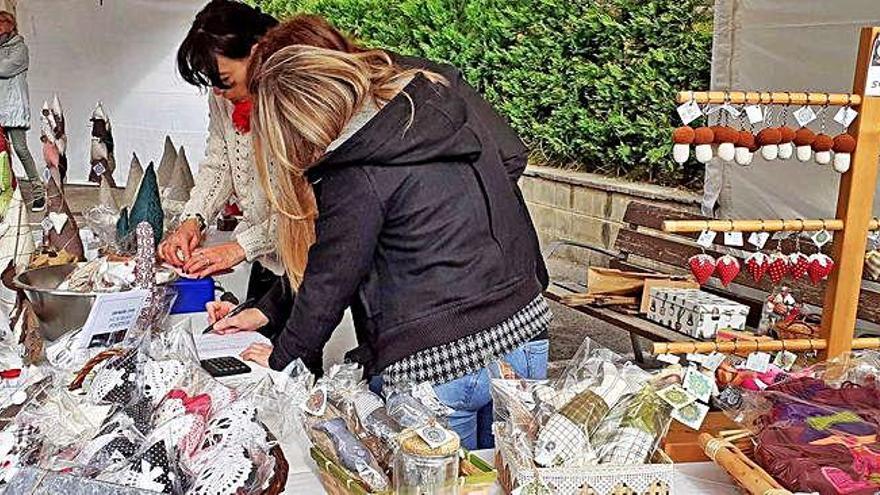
<point x="421" y="229"/>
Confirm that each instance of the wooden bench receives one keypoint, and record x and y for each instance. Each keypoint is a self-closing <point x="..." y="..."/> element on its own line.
<point x="641" y="245"/>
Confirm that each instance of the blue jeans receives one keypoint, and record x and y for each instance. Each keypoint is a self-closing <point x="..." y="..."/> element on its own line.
<point x="471" y="398"/>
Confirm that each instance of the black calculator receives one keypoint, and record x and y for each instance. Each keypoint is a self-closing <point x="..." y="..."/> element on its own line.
<point x="225" y="366"/>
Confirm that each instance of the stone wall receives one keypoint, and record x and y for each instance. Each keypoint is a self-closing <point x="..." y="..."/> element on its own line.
<point x="587" y="209"/>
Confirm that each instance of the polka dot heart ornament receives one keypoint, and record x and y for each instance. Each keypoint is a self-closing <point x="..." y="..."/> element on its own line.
<point x="702" y="266"/>
<point x="798" y="264"/>
<point x="757" y="265"/>
<point x="778" y="268"/>
<point x="820" y="267"/>
<point x="727" y="268"/>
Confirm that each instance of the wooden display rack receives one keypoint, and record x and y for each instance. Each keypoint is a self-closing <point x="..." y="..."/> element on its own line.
<point x="854" y="200"/>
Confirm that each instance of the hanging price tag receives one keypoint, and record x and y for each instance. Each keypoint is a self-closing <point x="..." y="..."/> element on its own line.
<point x="689" y="112"/>
<point x="804" y="115"/>
<point x="707" y="237"/>
<point x="668" y="358"/>
<point x="758" y="361"/>
<point x="845" y="116"/>
<point x="733" y="238"/>
<point x="759" y="239"/>
<point x="821" y="238"/>
<point x="755" y="114"/>
<point x="713" y="361"/>
<point x="731" y="110"/>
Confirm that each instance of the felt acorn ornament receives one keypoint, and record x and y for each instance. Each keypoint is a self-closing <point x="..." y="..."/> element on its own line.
<point x="843" y="147"/>
<point x="703" y="139"/>
<point x="803" y="142"/>
<point x="822" y="149"/>
<point x="768" y="139"/>
<point x="726" y="138"/>
<point x="682" y="138"/>
<point x="786" y="145"/>
<point x="745" y="148"/>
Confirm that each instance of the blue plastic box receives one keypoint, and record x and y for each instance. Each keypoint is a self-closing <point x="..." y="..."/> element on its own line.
<point x="192" y="295"/>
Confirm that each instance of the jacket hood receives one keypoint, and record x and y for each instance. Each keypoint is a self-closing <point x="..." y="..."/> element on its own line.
<point x="426" y="123"/>
<point x="15" y="39"/>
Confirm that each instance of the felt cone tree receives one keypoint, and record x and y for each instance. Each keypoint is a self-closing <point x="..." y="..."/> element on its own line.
<point x="147" y="205"/>
<point x="166" y="164"/>
<point x="135" y="174"/>
<point x="54" y="138"/>
<point x="102" y="159"/>
<point x="60" y="231"/>
<point x="176" y="193"/>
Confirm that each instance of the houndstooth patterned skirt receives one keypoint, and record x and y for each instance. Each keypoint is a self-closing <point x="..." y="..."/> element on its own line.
<point x="464" y="356"/>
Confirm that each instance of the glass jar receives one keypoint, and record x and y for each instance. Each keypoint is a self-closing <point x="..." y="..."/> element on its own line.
<point x="420" y="469"/>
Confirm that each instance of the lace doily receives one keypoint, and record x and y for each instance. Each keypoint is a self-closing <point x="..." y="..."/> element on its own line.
<point x="162" y="376"/>
<point x="221" y="396"/>
<point x="234" y="425"/>
<point x="184" y="432"/>
<point x="141" y="414"/>
<point x="151" y="470"/>
<point x="115" y="381"/>
<point x="107" y="450"/>
<point x="223" y="471"/>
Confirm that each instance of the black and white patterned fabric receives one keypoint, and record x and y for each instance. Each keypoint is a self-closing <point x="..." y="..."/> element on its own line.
<point x="447" y="362"/>
<point x="115" y="381"/>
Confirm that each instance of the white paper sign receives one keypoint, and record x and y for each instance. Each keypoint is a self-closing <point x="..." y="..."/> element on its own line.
<point x="689" y="112"/>
<point x="845" y="116"/>
<point x="755" y="114"/>
<point x="111" y="317"/>
<point x="804" y="115"/>
<point x="733" y="238"/>
<point x="872" y="83"/>
<point x="759" y="239"/>
<point x="707" y="237"/>
<point x="713" y="361"/>
<point x="758" y="361"/>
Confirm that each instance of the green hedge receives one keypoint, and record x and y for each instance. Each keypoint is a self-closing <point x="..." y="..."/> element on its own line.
<point x="587" y="83"/>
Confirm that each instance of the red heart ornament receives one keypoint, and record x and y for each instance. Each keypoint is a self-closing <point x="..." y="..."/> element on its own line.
<point x="778" y="268"/>
<point x="820" y="267"/>
<point x="798" y="264"/>
<point x="702" y="266"/>
<point x="727" y="267"/>
<point x="757" y="265"/>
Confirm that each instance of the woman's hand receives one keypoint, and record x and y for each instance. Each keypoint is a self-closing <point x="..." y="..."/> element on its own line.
<point x="249" y="320"/>
<point x="177" y="247"/>
<point x="258" y="353"/>
<point x="208" y="260"/>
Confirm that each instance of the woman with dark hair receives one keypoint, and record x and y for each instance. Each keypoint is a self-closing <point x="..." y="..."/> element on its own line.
<point x="394" y="185"/>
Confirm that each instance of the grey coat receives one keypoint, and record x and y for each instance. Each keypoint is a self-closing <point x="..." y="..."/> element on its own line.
<point x="14" y="105"/>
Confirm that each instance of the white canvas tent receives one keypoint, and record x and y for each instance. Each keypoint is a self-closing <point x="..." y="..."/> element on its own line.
<point x="784" y="45"/>
<point x="119" y="52"/>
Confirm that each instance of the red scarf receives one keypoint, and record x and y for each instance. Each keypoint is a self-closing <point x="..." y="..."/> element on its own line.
<point x="241" y="116"/>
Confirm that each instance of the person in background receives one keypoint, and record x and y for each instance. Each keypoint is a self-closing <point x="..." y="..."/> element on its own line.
<point x="15" y="112"/>
<point x="392" y="190"/>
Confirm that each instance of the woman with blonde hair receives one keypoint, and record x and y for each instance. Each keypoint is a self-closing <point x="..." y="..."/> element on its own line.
<point x="391" y="192"/>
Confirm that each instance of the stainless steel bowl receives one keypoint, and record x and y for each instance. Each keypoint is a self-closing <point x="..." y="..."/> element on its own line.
<point x="59" y="311"/>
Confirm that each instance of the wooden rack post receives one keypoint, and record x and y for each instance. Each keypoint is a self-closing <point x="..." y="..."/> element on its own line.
<point x="854" y="200"/>
<point x="854" y="203"/>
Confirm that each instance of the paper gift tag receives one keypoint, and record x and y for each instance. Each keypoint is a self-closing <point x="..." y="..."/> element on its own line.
<point x="434" y="436"/>
<point x="785" y="360"/>
<point x="699" y="385"/>
<point x="676" y="396"/>
<point x="821" y="238"/>
<point x="845" y="116"/>
<point x="759" y="239"/>
<point x="691" y="415"/>
<point x="755" y="114"/>
<point x="99" y="168"/>
<point x="731" y="110"/>
<point x="696" y="358"/>
<point x="668" y="358"/>
<point x="707" y="237"/>
<point x="689" y="112"/>
<point x="733" y="238"/>
<point x="713" y="361"/>
<point x="758" y="361"/>
<point x="804" y="115"/>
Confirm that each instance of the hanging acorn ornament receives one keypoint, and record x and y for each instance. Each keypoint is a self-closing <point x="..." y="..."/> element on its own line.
<point x="745" y="148"/>
<point x="726" y="138"/>
<point x="703" y="139"/>
<point x="803" y="142"/>
<point x="682" y="138"/>
<point x="786" y="145"/>
<point x="768" y="139"/>
<point x="844" y="145"/>
<point x="823" y="143"/>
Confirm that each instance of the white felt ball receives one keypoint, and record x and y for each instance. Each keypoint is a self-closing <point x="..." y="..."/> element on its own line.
<point x="842" y="162"/>
<point x="786" y="150"/>
<point x="703" y="152"/>
<point x="804" y="153"/>
<point x="770" y="151"/>
<point x="744" y="156"/>
<point x="823" y="157"/>
<point x="726" y="151"/>
<point x="681" y="152"/>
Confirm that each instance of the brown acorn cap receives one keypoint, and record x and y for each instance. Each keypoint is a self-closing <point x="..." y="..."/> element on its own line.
<point x="770" y="135"/>
<point x="703" y="135"/>
<point x="726" y="134"/>
<point x="804" y="137"/>
<point x="745" y="139"/>
<point x="823" y="142"/>
<point x="844" y="143"/>
<point x="683" y="135"/>
<point x="787" y="134"/>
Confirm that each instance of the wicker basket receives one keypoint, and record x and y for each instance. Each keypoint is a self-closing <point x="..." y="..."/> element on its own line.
<point x="641" y="479"/>
<point x="803" y="327"/>
<point x="338" y="481"/>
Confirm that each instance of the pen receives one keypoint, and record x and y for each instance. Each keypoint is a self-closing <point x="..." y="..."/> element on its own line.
<point x="236" y="310"/>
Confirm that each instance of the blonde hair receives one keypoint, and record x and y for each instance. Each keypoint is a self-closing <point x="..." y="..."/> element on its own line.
<point x="304" y="97"/>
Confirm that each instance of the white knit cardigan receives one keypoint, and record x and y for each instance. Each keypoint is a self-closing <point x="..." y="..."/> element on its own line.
<point x="228" y="170"/>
